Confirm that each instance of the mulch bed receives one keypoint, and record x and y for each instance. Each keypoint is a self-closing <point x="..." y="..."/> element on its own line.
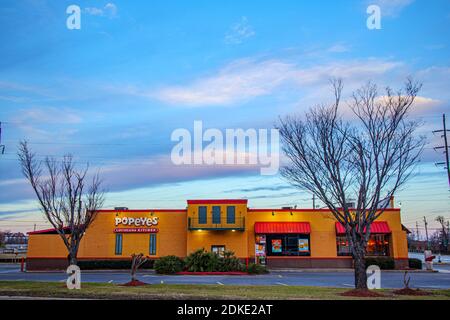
<point x="411" y="292"/>
<point x="134" y="283"/>
<point x="362" y="293"/>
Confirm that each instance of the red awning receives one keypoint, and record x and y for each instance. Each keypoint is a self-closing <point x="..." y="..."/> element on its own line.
<point x="282" y="227"/>
<point x="377" y="227"/>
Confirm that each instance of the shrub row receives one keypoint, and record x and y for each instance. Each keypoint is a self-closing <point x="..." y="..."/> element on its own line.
<point x="415" y="263"/>
<point x="111" y="264"/>
<point x="385" y="263"/>
<point x="203" y="261"/>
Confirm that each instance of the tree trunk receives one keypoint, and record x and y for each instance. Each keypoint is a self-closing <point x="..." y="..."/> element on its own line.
<point x="360" y="266"/>
<point x="73" y="260"/>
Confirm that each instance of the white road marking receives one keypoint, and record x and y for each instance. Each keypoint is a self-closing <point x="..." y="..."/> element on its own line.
<point x="283" y="284"/>
<point x="218" y="282"/>
<point x="443" y="271"/>
<point x="348" y="285"/>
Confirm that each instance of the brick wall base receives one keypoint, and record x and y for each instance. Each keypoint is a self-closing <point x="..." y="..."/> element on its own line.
<point x="49" y="264"/>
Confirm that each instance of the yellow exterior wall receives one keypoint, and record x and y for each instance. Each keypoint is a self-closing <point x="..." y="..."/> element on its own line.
<point x="175" y="237"/>
<point x="235" y="241"/>
<point x="99" y="240"/>
<point x="46" y="246"/>
<point x="323" y="233"/>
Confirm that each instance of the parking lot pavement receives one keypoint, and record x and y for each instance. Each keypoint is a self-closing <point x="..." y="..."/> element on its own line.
<point x="437" y="280"/>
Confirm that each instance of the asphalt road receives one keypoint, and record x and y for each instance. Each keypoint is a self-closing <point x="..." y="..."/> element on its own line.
<point x="389" y="279"/>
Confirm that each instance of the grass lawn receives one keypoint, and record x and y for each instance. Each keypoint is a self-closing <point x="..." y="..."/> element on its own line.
<point x="176" y="291"/>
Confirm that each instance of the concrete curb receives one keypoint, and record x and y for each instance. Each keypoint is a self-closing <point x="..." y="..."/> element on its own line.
<point x="347" y="270"/>
<point x="124" y="271"/>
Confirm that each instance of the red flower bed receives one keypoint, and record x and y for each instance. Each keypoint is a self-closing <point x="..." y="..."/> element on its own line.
<point x="411" y="292"/>
<point x="134" y="283"/>
<point x="361" y="293"/>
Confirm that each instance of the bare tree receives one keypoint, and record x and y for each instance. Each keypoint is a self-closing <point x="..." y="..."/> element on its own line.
<point x="443" y="234"/>
<point x="66" y="201"/>
<point x="367" y="159"/>
<point x="137" y="260"/>
<point x="2" y="238"/>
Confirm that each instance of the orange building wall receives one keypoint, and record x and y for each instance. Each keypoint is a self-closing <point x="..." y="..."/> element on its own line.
<point x="175" y="238"/>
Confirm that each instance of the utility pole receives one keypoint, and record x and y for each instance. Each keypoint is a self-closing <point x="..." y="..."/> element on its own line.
<point x="445" y="147"/>
<point x="448" y="234"/>
<point x="417" y="231"/>
<point x="314" y="201"/>
<point x="2" y="146"/>
<point x="426" y="232"/>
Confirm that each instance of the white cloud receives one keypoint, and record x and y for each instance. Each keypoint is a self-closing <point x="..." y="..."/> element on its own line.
<point x="391" y="8"/>
<point x="246" y="79"/>
<point x="48" y="115"/>
<point x="239" y="32"/>
<point x="109" y="10"/>
<point x="338" y="48"/>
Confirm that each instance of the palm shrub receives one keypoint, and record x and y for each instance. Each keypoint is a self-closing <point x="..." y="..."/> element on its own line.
<point x="254" y="268"/>
<point x="169" y="265"/>
<point x="229" y="262"/>
<point x="202" y="261"/>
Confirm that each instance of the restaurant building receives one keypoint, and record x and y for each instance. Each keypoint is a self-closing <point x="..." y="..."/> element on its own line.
<point x="284" y="238"/>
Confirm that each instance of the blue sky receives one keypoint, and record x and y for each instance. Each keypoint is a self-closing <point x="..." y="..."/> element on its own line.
<point x="112" y="92"/>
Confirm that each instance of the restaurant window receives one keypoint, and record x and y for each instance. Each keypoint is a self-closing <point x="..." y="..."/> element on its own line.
<point x="343" y="248"/>
<point x="288" y="245"/>
<point x="152" y="244"/>
<point x="378" y="245"/>
<point x="118" y="244"/>
<point x="216" y="215"/>
<point x="202" y="215"/>
<point x="219" y="250"/>
<point x="231" y="215"/>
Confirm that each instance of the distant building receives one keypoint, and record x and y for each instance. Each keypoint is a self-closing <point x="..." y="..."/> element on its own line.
<point x="16" y="238"/>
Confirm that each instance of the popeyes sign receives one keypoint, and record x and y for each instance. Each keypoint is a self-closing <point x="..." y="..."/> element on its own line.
<point x="136" y="225"/>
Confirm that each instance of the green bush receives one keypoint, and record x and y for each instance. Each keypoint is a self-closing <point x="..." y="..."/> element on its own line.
<point x="169" y="265"/>
<point x="203" y="261"/>
<point x="254" y="268"/>
<point x="415" y="263"/>
<point x="229" y="262"/>
<point x="385" y="263"/>
<point x="111" y="264"/>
